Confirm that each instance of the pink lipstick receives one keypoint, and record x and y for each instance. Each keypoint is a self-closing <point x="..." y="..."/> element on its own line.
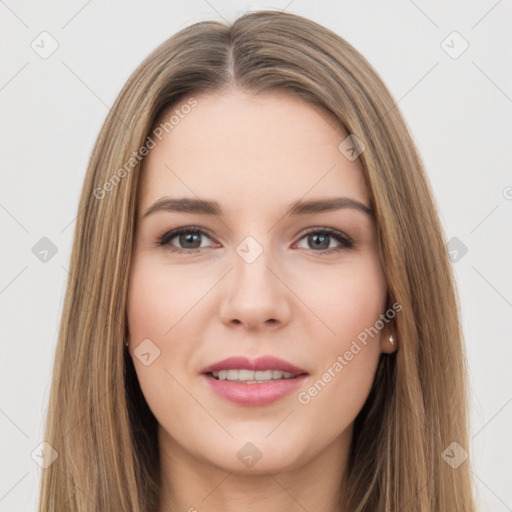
<point x="253" y="382"/>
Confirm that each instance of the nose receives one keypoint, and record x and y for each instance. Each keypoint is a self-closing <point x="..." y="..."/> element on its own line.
<point x="254" y="294"/>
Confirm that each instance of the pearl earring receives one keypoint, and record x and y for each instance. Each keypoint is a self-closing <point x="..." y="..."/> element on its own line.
<point x="391" y="340"/>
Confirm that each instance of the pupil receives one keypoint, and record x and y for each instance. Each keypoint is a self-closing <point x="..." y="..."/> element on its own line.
<point x="324" y="239"/>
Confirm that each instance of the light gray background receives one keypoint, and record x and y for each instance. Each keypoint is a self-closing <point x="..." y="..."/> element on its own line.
<point x="458" y="109"/>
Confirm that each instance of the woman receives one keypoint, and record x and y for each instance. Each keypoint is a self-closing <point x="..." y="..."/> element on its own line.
<point x="304" y="352"/>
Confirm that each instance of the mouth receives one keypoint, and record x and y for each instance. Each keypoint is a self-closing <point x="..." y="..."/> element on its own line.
<point x="253" y="383"/>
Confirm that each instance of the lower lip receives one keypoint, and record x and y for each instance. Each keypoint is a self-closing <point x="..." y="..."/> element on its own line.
<point x="254" y="394"/>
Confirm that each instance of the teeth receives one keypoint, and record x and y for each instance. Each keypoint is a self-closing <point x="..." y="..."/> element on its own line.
<point x="252" y="376"/>
<point x="231" y="374"/>
<point x="261" y="375"/>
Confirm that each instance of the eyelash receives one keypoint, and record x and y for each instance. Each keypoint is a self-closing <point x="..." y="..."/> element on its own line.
<point x="163" y="240"/>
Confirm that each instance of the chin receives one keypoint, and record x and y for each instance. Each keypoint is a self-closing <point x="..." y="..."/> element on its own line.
<point x="258" y="455"/>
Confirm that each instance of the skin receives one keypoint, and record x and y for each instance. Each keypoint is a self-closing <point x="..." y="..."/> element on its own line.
<point x="254" y="155"/>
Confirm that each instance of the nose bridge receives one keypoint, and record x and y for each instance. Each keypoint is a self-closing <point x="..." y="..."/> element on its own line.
<point x="252" y="263"/>
<point x="254" y="294"/>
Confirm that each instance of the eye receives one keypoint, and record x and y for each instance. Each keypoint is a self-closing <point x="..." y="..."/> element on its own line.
<point x="189" y="240"/>
<point x="321" y="238"/>
<point x="189" y="237"/>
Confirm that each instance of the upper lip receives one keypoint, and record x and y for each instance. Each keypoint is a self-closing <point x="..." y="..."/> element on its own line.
<point x="259" y="364"/>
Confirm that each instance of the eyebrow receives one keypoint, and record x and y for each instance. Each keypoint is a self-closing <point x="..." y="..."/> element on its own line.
<point x="207" y="207"/>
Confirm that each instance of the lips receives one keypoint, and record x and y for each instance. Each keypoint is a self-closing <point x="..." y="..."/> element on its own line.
<point x="262" y="363"/>
<point x="248" y="392"/>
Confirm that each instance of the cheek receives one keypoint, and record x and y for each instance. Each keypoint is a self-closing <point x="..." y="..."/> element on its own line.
<point x="167" y="306"/>
<point x="348" y="353"/>
<point x="347" y="301"/>
<point x="158" y="303"/>
<point x="159" y="300"/>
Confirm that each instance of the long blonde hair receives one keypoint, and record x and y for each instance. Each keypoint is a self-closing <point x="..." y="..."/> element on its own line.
<point x="98" y="420"/>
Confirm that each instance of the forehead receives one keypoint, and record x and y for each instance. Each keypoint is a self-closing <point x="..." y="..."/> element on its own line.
<point x="245" y="149"/>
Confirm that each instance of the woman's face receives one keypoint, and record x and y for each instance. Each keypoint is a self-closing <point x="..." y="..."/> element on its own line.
<point x="253" y="281"/>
